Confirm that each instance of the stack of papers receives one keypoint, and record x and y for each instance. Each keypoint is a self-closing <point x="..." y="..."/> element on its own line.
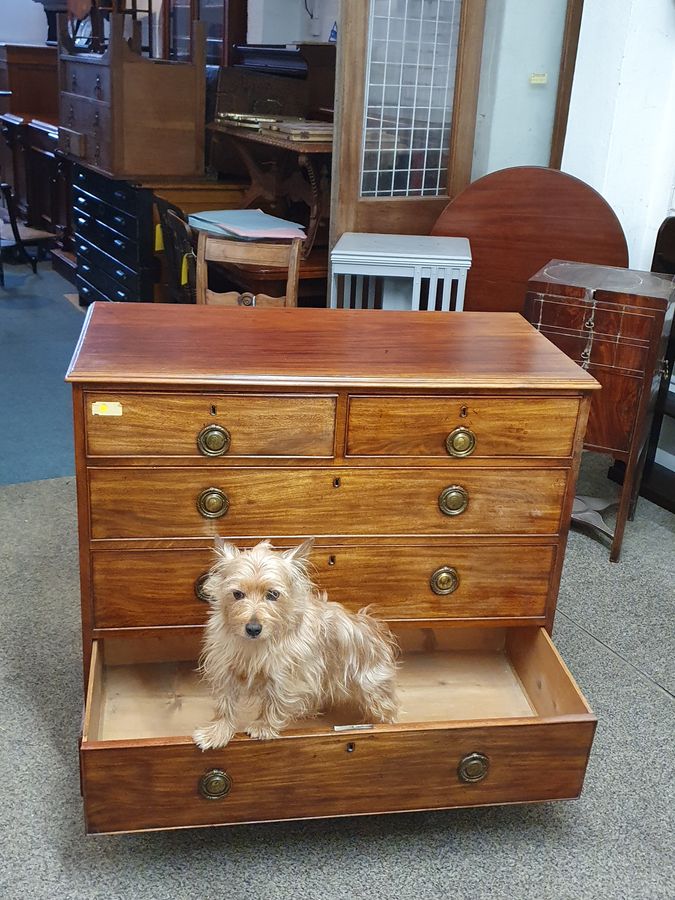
<point x="247" y="225"/>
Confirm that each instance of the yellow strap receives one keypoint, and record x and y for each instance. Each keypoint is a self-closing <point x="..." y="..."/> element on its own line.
<point x="159" y="238"/>
<point x="184" y="270"/>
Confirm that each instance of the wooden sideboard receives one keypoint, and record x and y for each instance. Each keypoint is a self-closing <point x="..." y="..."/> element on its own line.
<point x="437" y="475"/>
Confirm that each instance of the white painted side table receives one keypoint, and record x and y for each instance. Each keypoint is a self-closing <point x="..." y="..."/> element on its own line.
<point x="435" y="266"/>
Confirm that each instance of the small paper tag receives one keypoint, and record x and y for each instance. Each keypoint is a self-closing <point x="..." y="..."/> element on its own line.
<point x="159" y="238"/>
<point x="111" y="408"/>
<point x="184" y="270"/>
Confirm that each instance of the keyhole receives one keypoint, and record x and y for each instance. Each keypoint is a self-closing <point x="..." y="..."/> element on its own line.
<point x="351" y="746"/>
<point x="336" y="482"/>
<point x="463" y="412"/>
<point x="331" y="560"/>
<point x="214" y="411"/>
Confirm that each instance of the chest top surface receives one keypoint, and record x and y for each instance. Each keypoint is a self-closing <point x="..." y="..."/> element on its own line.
<point x="192" y="345"/>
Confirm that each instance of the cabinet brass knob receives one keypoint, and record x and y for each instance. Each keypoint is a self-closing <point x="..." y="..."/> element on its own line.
<point x="213" y="440"/>
<point x="473" y="767"/>
<point x="460" y="442"/>
<point x="200" y="593"/>
<point x="215" y="784"/>
<point x="212" y="503"/>
<point x="444" y="580"/>
<point x="453" y="500"/>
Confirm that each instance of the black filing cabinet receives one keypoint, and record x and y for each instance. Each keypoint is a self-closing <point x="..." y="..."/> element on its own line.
<point x="113" y="225"/>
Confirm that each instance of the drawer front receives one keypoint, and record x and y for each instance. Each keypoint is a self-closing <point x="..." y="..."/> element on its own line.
<point x="86" y="80"/>
<point x="153" y="588"/>
<point x="146" y="787"/>
<point x="127" y="278"/>
<point x="210" y="425"/>
<point x="119" y="194"/>
<point x="146" y="503"/>
<point x="108" y="215"/>
<point x="613" y="410"/>
<point x="600" y="352"/>
<point x="112" y="289"/>
<point x="461" y="426"/>
<point x="120" y="248"/>
<point x="89" y="116"/>
<point x="88" y="293"/>
<point x="603" y="318"/>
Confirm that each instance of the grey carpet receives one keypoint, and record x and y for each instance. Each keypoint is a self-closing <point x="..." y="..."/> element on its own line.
<point x="38" y="332"/>
<point x="614" y="629"/>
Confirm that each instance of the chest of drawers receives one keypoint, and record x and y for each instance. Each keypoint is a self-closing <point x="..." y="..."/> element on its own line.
<point x="432" y="455"/>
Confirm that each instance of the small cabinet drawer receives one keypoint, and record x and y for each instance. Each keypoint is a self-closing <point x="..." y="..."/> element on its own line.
<point x="604" y="319"/>
<point x="461" y="427"/>
<point x="105" y="214"/>
<point x="127" y="278"/>
<point x="203" y="426"/>
<point x="117" y="246"/>
<point x="487" y="717"/>
<point x="112" y="289"/>
<point x="85" y="80"/>
<point x="86" y="115"/>
<point x="155" y="588"/>
<point x="196" y="502"/>
<point x="606" y="352"/>
<point x="119" y="194"/>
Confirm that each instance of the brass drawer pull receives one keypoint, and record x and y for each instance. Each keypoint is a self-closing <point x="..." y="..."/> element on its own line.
<point x="444" y="581"/>
<point x="460" y="442"/>
<point x="453" y="500"/>
<point x="200" y="593"/>
<point x="215" y="784"/>
<point x="214" y="440"/>
<point x="212" y="503"/>
<point x="473" y="767"/>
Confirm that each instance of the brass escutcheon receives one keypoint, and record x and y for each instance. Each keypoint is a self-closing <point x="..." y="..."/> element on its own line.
<point x="215" y="784"/>
<point x="473" y="767"/>
<point x="460" y="442"/>
<point x="212" y="503"/>
<point x="444" y="580"/>
<point x="453" y="500"/>
<point x="213" y="440"/>
<point x="200" y="593"/>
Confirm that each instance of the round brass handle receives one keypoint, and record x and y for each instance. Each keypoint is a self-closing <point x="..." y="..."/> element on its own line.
<point x="213" y="440"/>
<point x="444" y="580"/>
<point x="453" y="500"/>
<point x="200" y="593"/>
<point x="473" y="767"/>
<point x="215" y="784"/>
<point x="212" y="503"/>
<point x="460" y="442"/>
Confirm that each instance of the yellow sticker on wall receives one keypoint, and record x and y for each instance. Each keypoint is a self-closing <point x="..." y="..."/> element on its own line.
<point x="110" y="408"/>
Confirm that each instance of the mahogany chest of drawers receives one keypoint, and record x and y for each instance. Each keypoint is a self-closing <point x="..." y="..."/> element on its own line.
<point x="432" y="455"/>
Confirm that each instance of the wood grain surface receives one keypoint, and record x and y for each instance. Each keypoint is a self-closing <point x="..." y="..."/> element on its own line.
<point x="145" y="502"/>
<point x="517" y="220"/>
<point x="173" y="344"/>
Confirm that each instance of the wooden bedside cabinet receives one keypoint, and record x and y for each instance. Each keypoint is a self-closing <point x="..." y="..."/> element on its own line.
<point x="432" y="455"/>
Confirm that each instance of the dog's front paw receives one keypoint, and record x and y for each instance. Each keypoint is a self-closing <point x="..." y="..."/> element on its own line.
<point x="261" y="731"/>
<point x="215" y="734"/>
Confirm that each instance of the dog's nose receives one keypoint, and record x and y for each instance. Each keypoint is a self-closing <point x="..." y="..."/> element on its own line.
<point x="253" y="629"/>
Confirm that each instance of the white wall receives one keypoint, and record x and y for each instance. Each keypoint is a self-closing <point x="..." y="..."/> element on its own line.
<point x="621" y="131"/>
<point x="515" y="117"/>
<point x="287" y="22"/>
<point x="22" y="22"/>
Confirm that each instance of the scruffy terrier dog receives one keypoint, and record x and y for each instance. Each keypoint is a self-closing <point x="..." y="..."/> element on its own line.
<point x="272" y="638"/>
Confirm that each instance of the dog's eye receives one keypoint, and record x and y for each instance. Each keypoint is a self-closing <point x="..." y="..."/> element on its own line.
<point x="238" y="595"/>
<point x="272" y="595"/>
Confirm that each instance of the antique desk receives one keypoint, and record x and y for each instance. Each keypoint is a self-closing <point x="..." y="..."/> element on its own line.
<point x="437" y="474"/>
<point x="615" y="323"/>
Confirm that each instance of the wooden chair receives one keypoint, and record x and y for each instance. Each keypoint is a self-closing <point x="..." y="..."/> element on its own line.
<point x="17" y="235"/>
<point x="179" y="253"/>
<point x="211" y="248"/>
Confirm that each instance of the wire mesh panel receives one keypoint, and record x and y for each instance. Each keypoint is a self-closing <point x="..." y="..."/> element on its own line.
<point x="410" y="83"/>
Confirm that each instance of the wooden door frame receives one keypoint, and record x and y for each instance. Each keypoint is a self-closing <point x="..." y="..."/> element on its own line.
<point x="404" y="215"/>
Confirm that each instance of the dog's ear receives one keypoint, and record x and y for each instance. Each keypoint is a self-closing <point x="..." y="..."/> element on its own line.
<point x="300" y="554"/>
<point x="224" y="550"/>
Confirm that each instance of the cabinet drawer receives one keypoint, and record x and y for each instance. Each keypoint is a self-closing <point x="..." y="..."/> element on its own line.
<point x="127" y="278"/>
<point x="86" y="115"/>
<point x="105" y="214"/>
<point x="150" y="588"/>
<point x="88" y="293"/>
<point x="631" y="357"/>
<point x="211" y="425"/>
<point x="498" y="708"/>
<point x="157" y="503"/>
<point x="117" y="246"/>
<point x="86" y="80"/>
<point x="112" y="289"/>
<point x="119" y="194"/>
<point x="461" y="426"/>
<point x="608" y="319"/>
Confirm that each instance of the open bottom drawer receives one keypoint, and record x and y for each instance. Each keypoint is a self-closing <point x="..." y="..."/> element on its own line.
<point x="489" y="716"/>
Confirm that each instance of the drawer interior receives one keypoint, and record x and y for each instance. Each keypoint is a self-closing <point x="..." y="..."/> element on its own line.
<point x="144" y="688"/>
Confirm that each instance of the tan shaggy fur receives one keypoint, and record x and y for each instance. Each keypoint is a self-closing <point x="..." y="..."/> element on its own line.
<point x="271" y="637"/>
